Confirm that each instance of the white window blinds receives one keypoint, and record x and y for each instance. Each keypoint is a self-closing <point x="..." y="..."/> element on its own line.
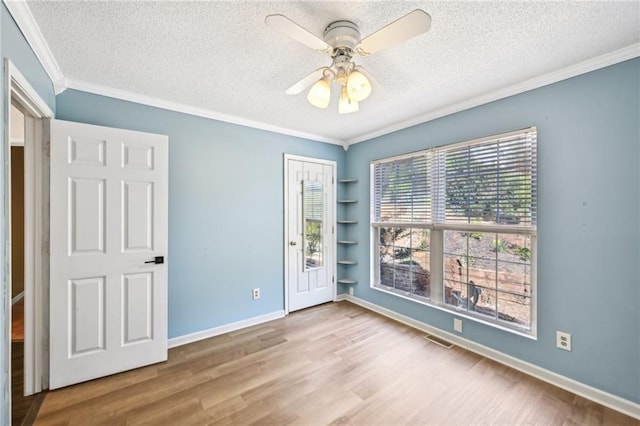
<point x="313" y="197"/>
<point x="487" y="181"/>
<point x="492" y="181"/>
<point x="401" y="190"/>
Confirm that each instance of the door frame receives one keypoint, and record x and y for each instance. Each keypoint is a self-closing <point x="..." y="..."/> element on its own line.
<point x="36" y="111"/>
<point x="286" y="240"/>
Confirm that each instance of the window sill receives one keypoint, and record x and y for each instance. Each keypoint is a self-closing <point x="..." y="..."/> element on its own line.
<point x="529" y="334"/>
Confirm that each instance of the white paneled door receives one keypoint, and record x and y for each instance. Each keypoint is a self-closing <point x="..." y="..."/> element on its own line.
<point x="108" y="282"/>
<point x="310" y="234"/>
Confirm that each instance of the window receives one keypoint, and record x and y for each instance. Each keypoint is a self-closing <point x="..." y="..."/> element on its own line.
<point x="455" y="226"/>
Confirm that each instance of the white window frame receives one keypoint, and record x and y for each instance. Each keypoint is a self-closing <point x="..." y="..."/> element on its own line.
<point x="436" y="297"/>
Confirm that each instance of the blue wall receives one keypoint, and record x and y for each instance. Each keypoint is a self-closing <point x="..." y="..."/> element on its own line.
<point x="588" y="222"/>
<point x="14" y="46"/>
<point x="225" y="207"/>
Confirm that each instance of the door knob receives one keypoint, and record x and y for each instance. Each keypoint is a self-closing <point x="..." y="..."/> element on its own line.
<point x="157" y="260"/>
<point x="292" y="243"/>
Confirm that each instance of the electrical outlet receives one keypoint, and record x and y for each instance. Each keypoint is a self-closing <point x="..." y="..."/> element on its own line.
<point x="563" y="340"/>
<point x="256" y="293"/>
<point x="350" y="291"/>
<point x="457" y="325"/>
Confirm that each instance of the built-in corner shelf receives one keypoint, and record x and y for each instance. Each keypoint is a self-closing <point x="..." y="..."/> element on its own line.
<point x="344" y="262"/>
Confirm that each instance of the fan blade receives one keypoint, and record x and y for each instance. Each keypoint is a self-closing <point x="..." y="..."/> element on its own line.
<point x="411" y="25"/>
<point x="305" y="82"/>
<point x="287" y="27"/>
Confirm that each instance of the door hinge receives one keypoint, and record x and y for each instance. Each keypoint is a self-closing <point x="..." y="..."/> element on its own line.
<point x="332" y="179"/>
<point x="333" y="279"/>
<point x="333" y="229"/>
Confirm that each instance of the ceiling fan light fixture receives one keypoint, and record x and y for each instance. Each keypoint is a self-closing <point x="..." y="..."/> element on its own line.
<point x="341" y="42"/>
<point x="358" y="86"/>
<point x="320" y="93"/>
<point x="346" y="104"/>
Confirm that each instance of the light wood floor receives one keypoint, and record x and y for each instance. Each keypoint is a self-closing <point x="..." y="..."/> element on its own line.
<point x="17" y="321"/>
<point x="332" y="364"/>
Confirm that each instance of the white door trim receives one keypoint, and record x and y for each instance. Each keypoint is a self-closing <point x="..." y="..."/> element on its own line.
<point x="18" y="89"/>
<point x="286" y="240"/>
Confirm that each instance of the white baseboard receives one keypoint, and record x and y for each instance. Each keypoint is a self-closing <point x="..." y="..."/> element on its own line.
<point x="227" y="328"/>
<point x="614" y="402"/>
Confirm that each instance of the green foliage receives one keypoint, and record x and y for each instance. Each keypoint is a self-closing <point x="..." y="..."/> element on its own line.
<point x="523" y="253"/>
<point x="472" y="192"/>
<point x="499" y="245"/>
<point x="476" y="236"/>
<point x="401" y="253"/>
<point x="313" y="230"/>
<point x="388" y="237"/>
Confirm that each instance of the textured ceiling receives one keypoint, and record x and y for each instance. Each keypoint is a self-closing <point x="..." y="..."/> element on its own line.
<point x="220" y="56"/>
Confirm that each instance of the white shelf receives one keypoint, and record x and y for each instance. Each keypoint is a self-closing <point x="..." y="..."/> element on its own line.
<point x="347" y="263"/>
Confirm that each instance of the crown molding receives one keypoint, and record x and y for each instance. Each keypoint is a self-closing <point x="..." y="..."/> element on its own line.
<point x="27" y="24"/>
<point x="191" y="110"/>
<point x="584" y="67"/>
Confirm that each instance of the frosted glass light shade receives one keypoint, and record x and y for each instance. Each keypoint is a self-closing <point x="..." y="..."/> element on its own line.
<point x="320" y="93"/>
<point x="346" y="104"/>
<point x="358" y="86"/>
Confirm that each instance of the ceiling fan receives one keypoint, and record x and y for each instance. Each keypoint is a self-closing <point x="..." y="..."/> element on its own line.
<point x="341" y="41"/>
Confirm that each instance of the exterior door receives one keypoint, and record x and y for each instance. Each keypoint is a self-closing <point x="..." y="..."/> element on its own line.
<point x="310" y="231"/>
<point x="108" y="290"/>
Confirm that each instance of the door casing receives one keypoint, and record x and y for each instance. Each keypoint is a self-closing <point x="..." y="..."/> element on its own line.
<point x="19" y="91"/>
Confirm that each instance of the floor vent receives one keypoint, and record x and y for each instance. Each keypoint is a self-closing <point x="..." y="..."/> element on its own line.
<point x="438" y="341"/>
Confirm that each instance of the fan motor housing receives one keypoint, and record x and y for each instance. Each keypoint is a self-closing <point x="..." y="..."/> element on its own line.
<point x="345" y="34"/>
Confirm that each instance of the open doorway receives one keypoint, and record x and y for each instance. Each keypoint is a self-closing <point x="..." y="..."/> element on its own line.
<point x="16" y="134"/>
<point x="23" y="408"/>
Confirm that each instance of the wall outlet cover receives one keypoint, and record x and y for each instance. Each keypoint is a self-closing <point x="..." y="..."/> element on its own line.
<point x="563" y="340"/>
